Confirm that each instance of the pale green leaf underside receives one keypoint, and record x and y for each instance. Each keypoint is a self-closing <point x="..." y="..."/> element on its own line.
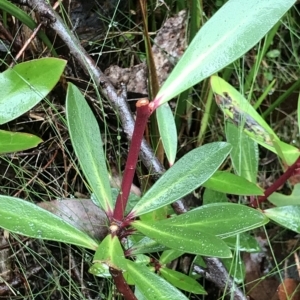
<point x="286" y="200"/>
<point x="167" y="131"/>
<point x="287" y="216"/>
<point x="86" y="140"/>
<point x="230" y="183"/>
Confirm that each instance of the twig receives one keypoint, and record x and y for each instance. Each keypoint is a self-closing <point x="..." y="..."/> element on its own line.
<point x="217" y="274"/>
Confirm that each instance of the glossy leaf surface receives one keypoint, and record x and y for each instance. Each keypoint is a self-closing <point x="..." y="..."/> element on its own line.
<point x="287" y="216"/>
<point x="26" y="84"/>
<point x="22" y="217"/>
<point x="232" y="184"/>
<point x="286" y="200"/>
<point x="150" y="285"/>
<point x="244" y="154"/>
<point x="225" y="37"/>
<point x="182" y="281"/>
<point x="17" y="141"/>
<point x="110" y="252"/>
<point x="169" y="255"/>
<point x="146" y="245"/>
<point x="86" y="140"/>
<point x="191" y="171"/>
<point x="221" y="219"/>
<point x="167" y="131"/>
<point x="184" y="238"/>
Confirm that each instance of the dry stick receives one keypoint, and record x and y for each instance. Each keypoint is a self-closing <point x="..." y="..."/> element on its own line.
<point x="119" y="104"/>
<point x="222" y="279"/>
<point x="26" y="44"/>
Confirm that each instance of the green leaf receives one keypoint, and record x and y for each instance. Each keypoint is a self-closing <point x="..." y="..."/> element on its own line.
<point x="242" y="114"/>
<point x="169" y="255"/>
<point x="17" y="141"/>
<point x="284" y="200"/>
<point x="221" y="219"/>
<point x="287" y="216"/>
<point x="223" y="39"/>
<point x="246" y="242"/>
<point x="110" y="252"/>
<point x="167" y="131"/>
<point x="184" y="238"/>
<point x="26" y="84"/>
<point x="150" y="285"/>
<point x="146" y="245"/>
<point x="298" y="112"/>
<point x="28" y="219"/>
<point x="211" y="196"/>
<point x="232" y="184"/>
<point x="244" y="154"/>
<point x="182" y="281"/>
<point x="101" y="270"/>
<point x="192" y="170"/>
<point x="86" y="140"/>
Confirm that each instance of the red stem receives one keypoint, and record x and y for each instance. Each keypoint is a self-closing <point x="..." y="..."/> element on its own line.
<point x="278" y="183"/>
<point x="143" y="113"/>
<point x="121" y="284"/>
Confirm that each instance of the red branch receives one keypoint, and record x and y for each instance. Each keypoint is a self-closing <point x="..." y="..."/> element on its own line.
<point x="142" y="116"/>
<point x="121" y="284"/>
<point x="277" y="184"/>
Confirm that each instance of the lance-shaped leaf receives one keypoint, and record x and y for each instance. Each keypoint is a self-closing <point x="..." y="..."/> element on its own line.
<point x="244" y="155"/>
<point x="86" y="140"/>
<point x="225" y="37"/>
<point x="229" y="183"/>
<point x="184" y="239"/>
<point x="167" y="131"/>
<point x="169" y="255"/>
<point x="192" y="170"/>
<point x="145" y="245"/>
<point x="287" y="216"/>
<point x="28" y="219"/>
<point x="182" y="281"/>
<point x="236" y="108"/>
<point x="17" y="141"/>
<point x="150" y="285"/>
<point x="24" y="85"/>
<point x="221" y="219"/>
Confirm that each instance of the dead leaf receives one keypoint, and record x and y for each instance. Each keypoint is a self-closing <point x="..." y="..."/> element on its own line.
<point x="82" y="213"/>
